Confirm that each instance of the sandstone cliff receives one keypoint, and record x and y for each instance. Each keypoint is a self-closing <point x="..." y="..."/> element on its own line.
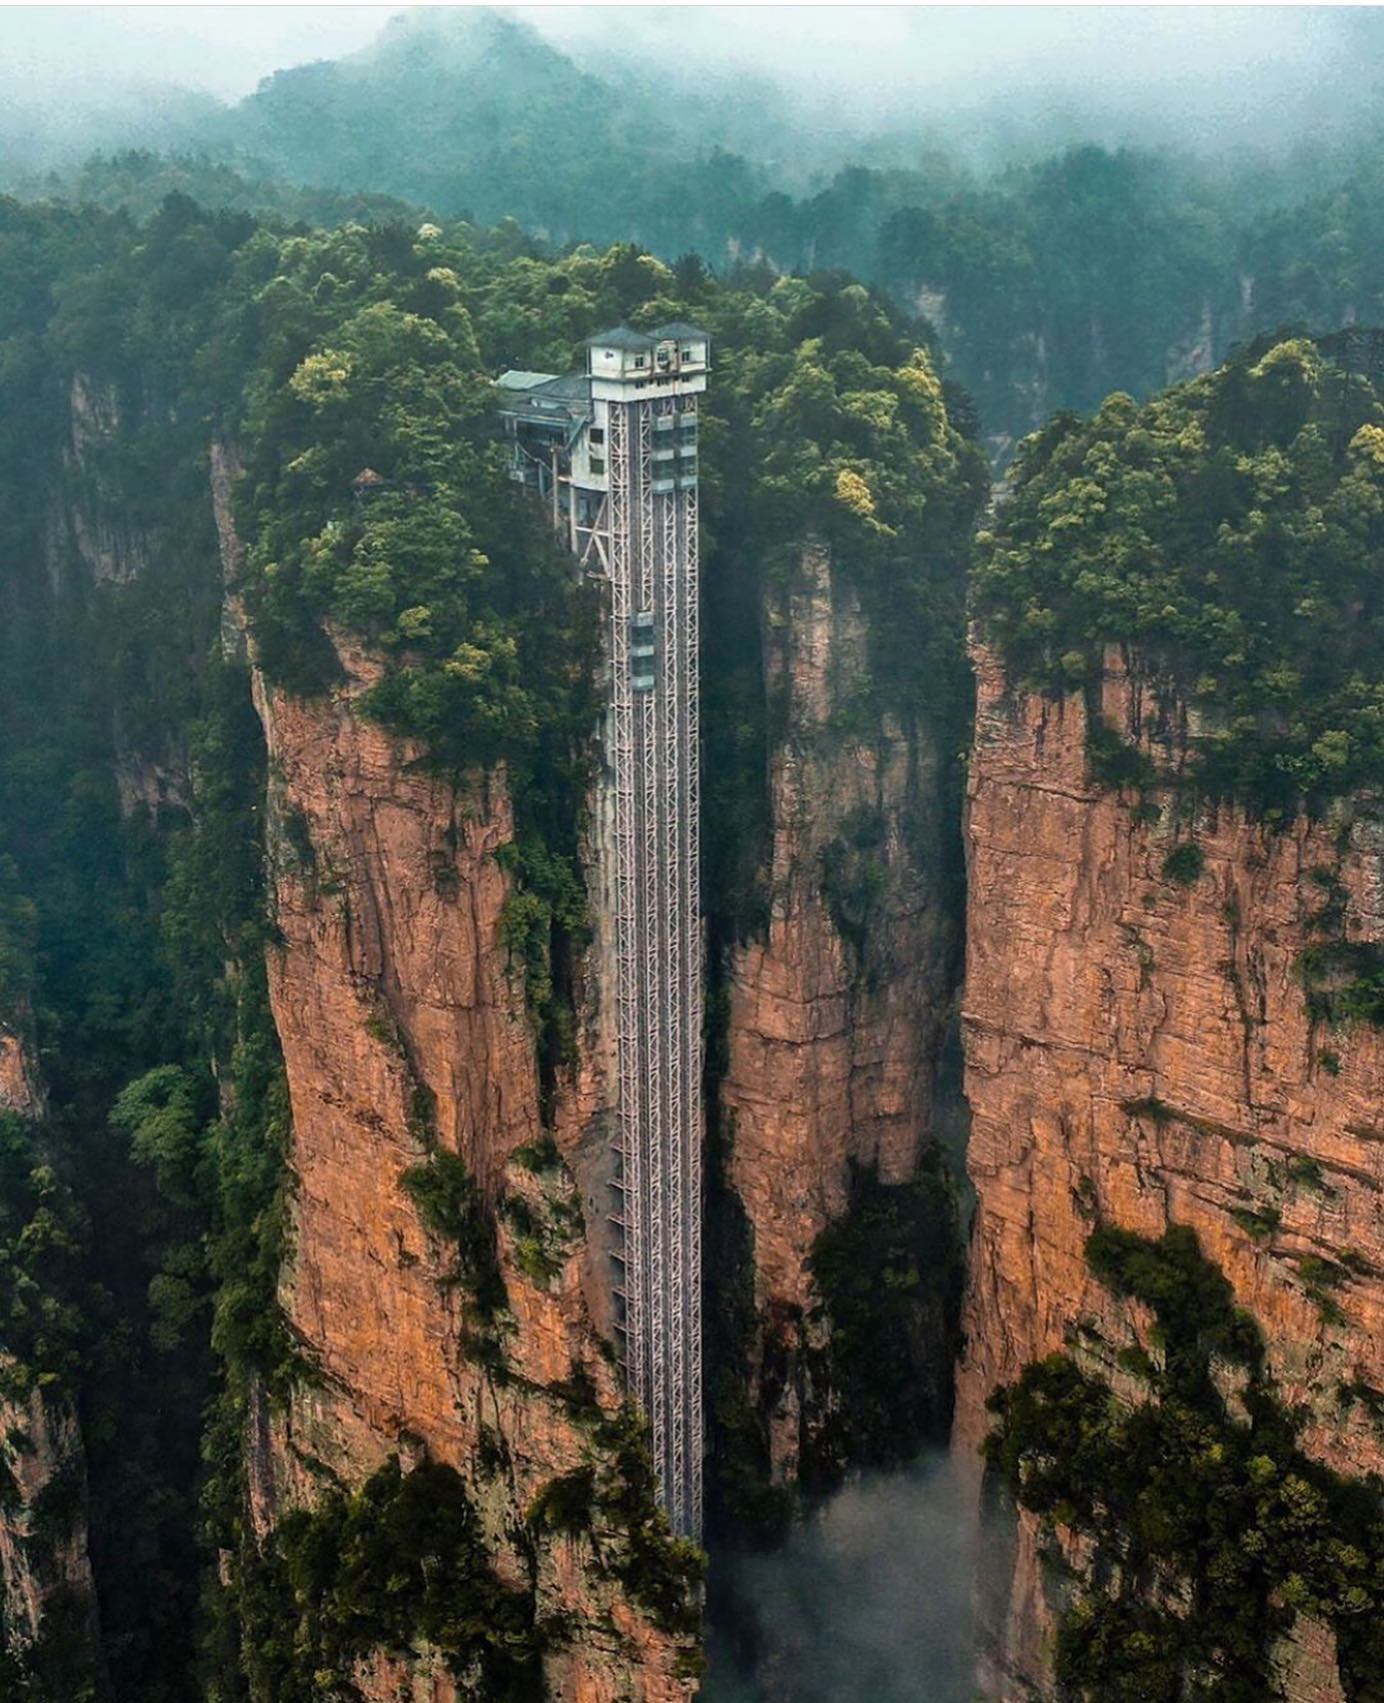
<point x="405" y="1036"/>
<point x="837" y="1012"/>
<point x="48" y="1610"/>
<point x="1140" y="1049"/>
<point x="21" y="1090"/>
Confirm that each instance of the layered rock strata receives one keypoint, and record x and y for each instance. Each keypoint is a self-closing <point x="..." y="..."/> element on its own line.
<point x="837" y="1011"/>
<point x="1140" y="1049"/>
<point x="404" y="1032"/>
<point x="404" y="1027"/>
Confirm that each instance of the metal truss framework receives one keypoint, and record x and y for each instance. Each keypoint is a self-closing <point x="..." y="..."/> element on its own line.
<point x="650" y="537"/>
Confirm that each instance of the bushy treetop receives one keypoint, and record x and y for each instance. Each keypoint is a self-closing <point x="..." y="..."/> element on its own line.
<point x="1232" y="532"/>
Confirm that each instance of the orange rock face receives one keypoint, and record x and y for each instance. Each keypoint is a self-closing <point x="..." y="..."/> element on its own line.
<point x="403" y="1024"/>
<point x="45" y="1574"/>
<point x="1142" y="1050"/>
<point x="19" y="1086"/>
<point x="832" y="1040"/>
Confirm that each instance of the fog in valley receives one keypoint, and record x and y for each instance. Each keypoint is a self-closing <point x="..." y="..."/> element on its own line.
<point x="869" y="1599"/>
<point x="988" y="84"/>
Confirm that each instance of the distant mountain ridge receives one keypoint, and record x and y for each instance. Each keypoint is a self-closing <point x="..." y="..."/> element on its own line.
<point x="474" y="114"/>
<point x="1045" y="286"/>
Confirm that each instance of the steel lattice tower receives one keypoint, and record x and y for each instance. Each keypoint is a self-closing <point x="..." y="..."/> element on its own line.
<point x="653" y="753"/>
<point x="629" y="451"/>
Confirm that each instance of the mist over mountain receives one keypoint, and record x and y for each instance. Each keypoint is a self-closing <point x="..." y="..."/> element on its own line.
<point x="791" y="86"/>
<point x="1066" y="200"/>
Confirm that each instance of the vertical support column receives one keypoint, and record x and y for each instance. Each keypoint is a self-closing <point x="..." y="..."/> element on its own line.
<point x="654" y="926"/>
<point x="621" y="746"/>
<point x="671" y="852"/>
<point x="654" y="754"/>
<point x="693" y="971"/>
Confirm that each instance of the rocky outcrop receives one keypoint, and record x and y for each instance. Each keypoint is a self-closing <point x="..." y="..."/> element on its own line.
<point x="404" y="1032"/>
<point x="48" y="1612"/>
<point x="21" y="1090"/>
<point x="48" y="1609"/>
<point x="91" y="528"/>
<point x="1140" y="1049"/>
<point x="838" y="1010"/>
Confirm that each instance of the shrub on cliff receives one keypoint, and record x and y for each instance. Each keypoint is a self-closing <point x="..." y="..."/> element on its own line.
<point x="400" y="1564"/>
<point x="44" y="1307"/>
<point x="662" y="1573"/>
<point x="889" y="1275"/>
<point x="1208" y="1531"/>
<point x="450" y="1204"/>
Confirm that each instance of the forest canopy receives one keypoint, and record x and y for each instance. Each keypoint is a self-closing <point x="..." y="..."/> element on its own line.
<point x="1231" y="532"/>
<point x="1069" y="267"/>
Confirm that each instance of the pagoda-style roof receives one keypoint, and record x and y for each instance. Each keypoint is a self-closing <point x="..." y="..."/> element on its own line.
<point x="559" y="398"/>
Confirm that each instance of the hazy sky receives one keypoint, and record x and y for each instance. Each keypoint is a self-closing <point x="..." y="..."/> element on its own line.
<point x="226" y="50"/>
<point x="222" y="49"/>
